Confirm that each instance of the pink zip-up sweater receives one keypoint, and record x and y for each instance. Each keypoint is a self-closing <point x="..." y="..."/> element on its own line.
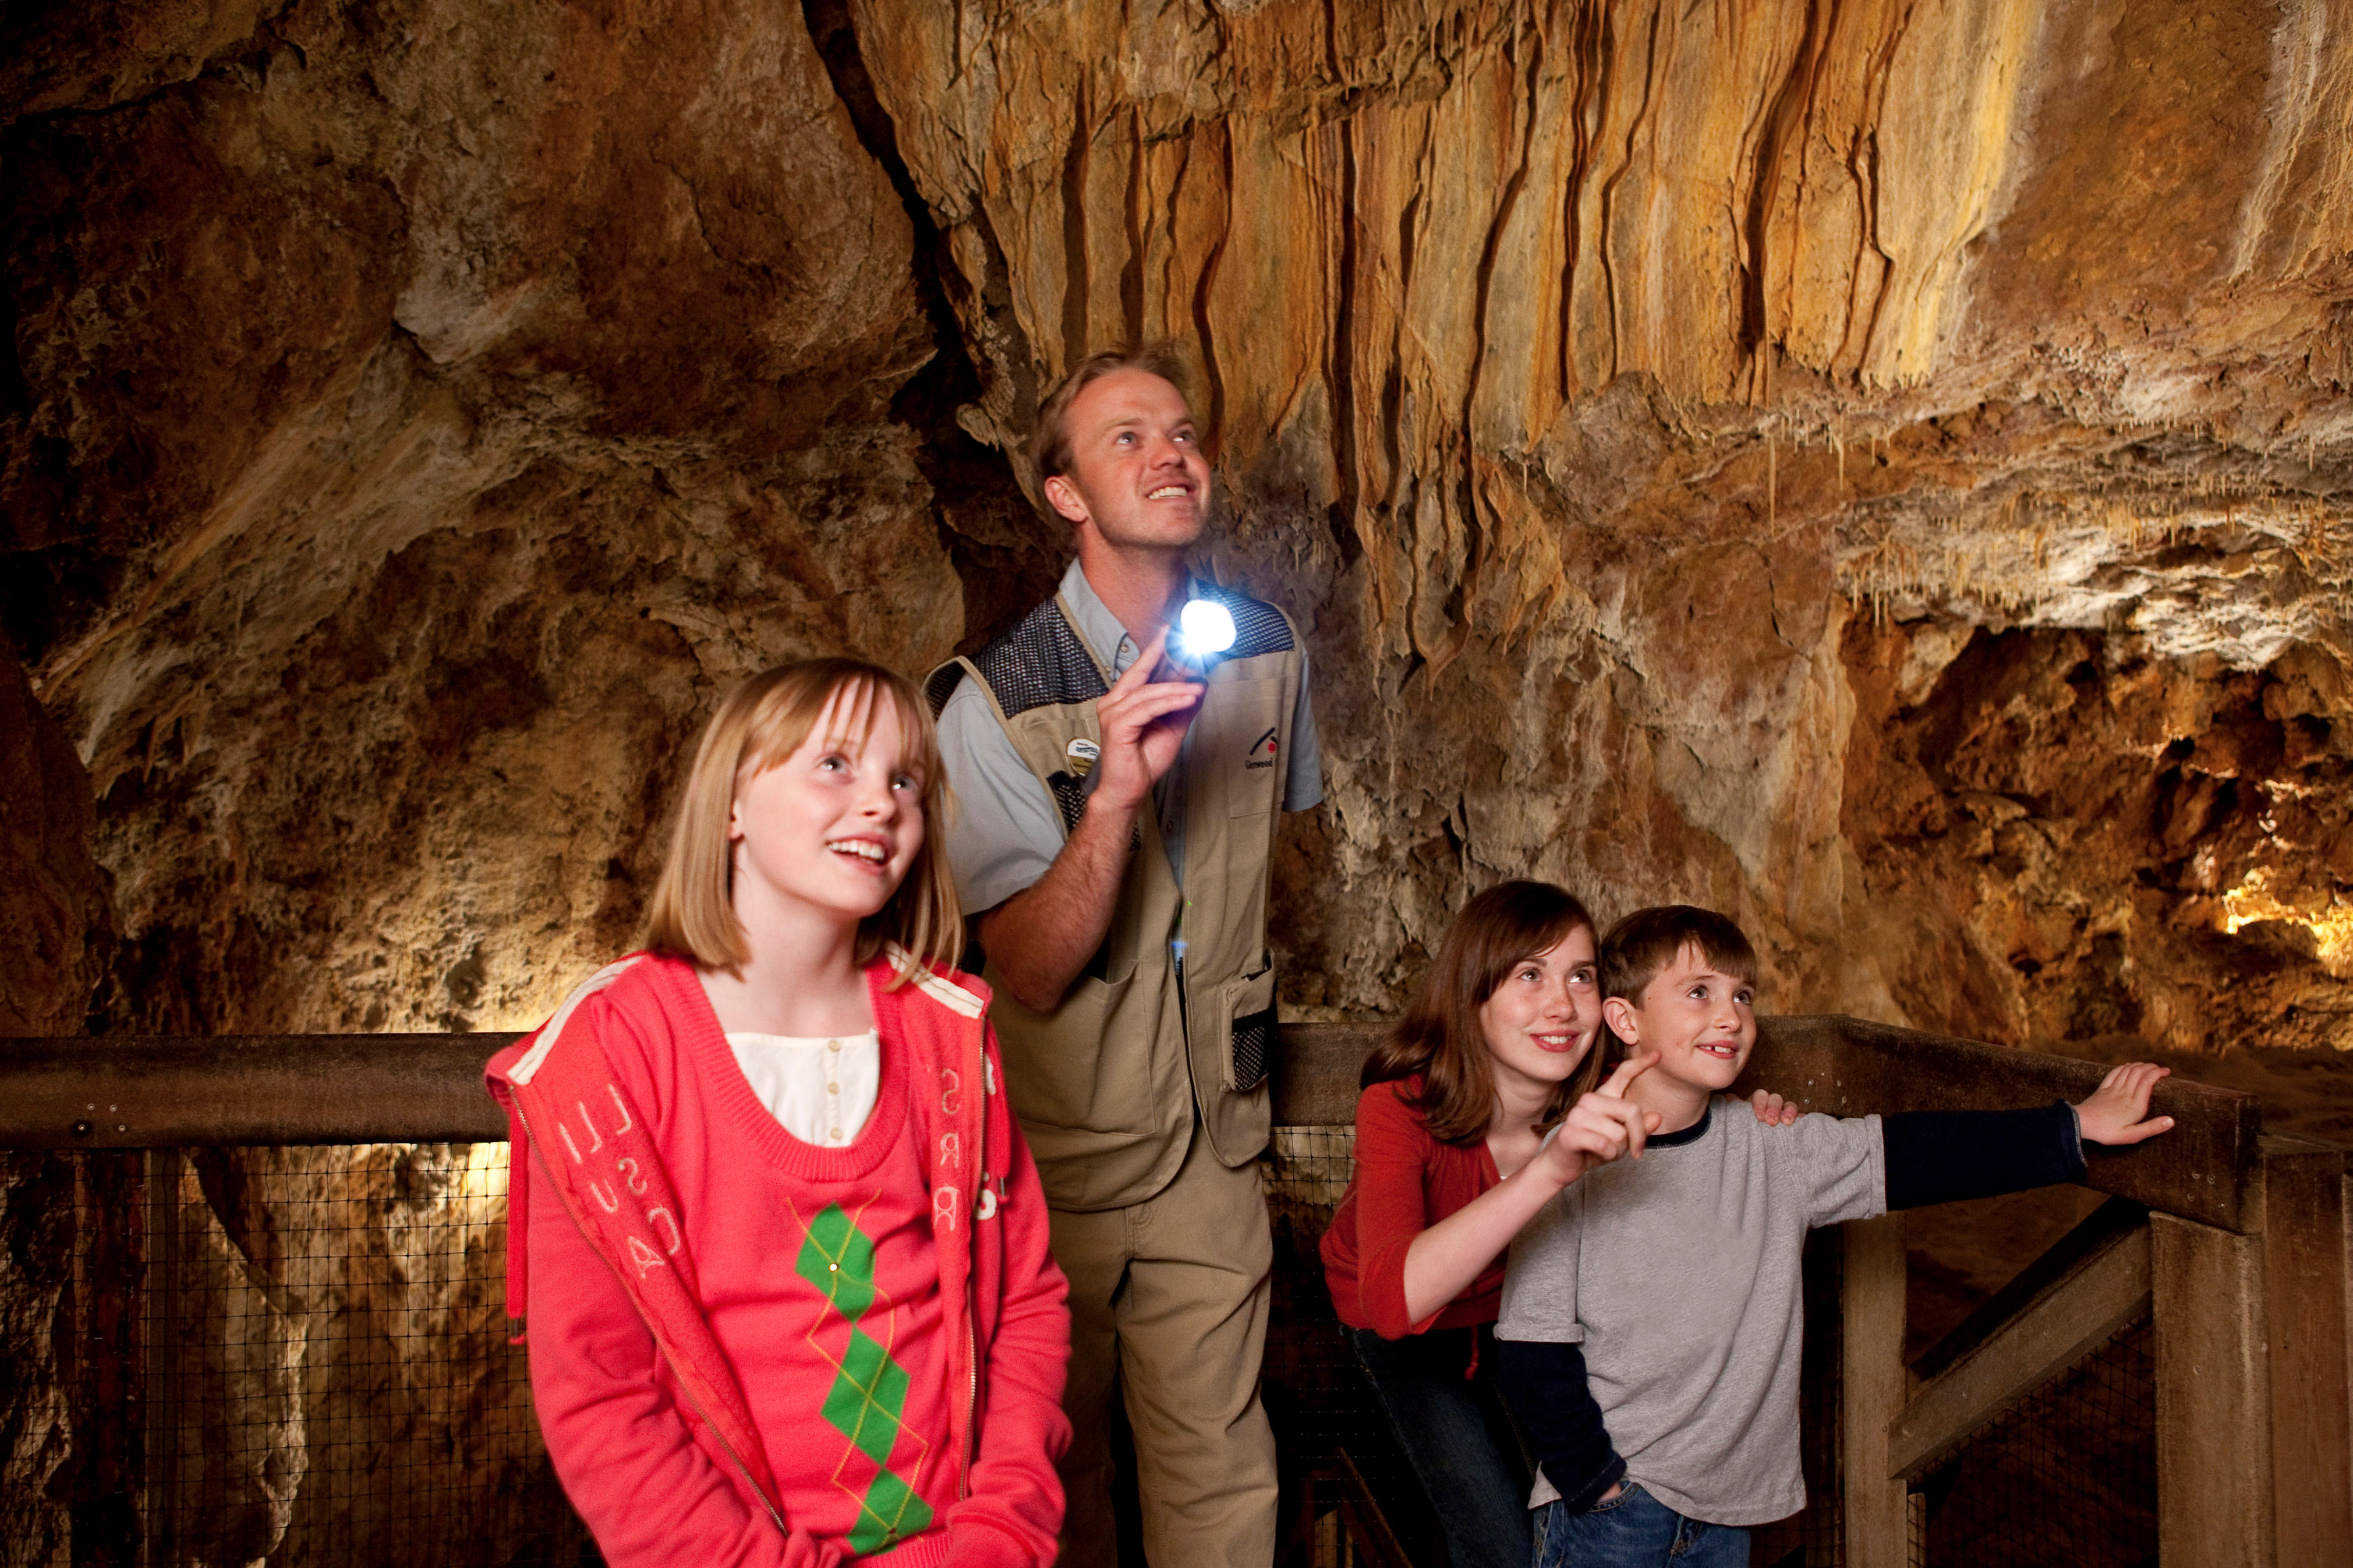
<point x="631" y="1139"/>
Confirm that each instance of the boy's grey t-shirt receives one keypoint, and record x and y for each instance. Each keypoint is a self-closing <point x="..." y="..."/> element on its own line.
<point x="1679" y="1275"/>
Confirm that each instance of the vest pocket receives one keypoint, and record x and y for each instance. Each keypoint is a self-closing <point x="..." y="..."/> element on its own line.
<point x="1247" y="1004"/>
<point x="1073" y="1068"/>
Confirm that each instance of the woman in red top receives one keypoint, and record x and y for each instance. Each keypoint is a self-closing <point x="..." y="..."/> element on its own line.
<point x="1478" y="1107"/>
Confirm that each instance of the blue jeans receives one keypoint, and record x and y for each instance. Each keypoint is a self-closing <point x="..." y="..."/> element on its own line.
<point x="1635" y="1530"/>
<point x="1458" y="1438"/>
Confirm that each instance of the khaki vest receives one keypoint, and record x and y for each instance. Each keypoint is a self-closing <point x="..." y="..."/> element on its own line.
<point x="1106" y="1085"/>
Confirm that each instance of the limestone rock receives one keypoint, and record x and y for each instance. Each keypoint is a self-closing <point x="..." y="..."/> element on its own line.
<point x="53" y="899"/>
<point x="429" y="415"/>
<point x="1579" y="371"/>
<point x="1879" y="470"/>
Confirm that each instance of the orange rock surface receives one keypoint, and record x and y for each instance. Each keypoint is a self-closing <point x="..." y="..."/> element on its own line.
<point x="1879" y="468"/>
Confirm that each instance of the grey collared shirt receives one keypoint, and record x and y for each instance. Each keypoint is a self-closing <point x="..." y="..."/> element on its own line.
<point x="1007" y="832"/>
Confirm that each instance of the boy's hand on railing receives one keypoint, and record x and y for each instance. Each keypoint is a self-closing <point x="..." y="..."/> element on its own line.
<point x="1771" y="1108"/>
<point x="2113" y="1112"/>
<point x="1602" y="1125"/>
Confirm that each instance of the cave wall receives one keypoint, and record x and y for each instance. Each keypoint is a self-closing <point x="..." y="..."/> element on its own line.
<point x="1882" y="469"/>
<point x="1706" y="445"/>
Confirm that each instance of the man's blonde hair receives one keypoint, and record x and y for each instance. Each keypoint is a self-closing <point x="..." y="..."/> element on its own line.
<point x="762" y="722"/>
<point x="1050" y="440"/>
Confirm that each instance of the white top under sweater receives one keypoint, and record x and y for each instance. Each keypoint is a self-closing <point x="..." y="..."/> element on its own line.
<point x="821" y="1089"/>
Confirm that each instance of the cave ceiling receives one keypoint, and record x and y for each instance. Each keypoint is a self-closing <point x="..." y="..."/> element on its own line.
<point x="1882" y="469"/>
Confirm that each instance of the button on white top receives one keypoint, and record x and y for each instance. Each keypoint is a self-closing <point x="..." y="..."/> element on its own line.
<point x="821" y="1090"/>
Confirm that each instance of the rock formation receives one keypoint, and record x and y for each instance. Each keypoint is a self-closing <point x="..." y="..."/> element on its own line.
<point x="1672" y="426"/>
<point x="1882" y="469"/>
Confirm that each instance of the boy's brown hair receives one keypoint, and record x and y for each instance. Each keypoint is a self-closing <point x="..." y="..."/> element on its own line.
<point x="1050" y="441"/>
<point x="1439" y="1037"/>
<point x="759" y="725"/>
<point x="1645" y="943"/>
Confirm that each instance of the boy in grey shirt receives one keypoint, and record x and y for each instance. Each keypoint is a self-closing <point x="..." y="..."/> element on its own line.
<point x="1652" y="1313"/>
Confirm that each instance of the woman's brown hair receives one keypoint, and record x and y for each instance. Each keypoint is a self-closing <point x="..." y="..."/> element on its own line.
<point x="759" y="725"/>
<point x="1440" y="1037"/>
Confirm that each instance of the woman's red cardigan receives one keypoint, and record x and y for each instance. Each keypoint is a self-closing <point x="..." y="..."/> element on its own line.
<point x="1406" y="1182"/>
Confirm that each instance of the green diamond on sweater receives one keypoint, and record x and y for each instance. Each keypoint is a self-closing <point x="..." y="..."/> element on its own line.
<point x="868" y="1401"/>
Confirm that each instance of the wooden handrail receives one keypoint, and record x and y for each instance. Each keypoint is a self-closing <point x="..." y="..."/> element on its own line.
<point x="117" y="1091"/>
<point x="2201" y="1169"/>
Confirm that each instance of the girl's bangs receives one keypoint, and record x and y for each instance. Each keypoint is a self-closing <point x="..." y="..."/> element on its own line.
<point x="791" y="714"/>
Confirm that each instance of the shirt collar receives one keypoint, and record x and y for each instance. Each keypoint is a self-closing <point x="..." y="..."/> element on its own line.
<point x="1691" y="1134"/>
<point x="1092" y="618"/>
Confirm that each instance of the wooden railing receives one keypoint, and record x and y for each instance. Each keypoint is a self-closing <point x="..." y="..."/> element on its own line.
<point x="2234" y="1244"/>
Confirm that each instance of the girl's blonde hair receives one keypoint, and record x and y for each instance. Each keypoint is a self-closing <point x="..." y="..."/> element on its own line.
<point x="762" y="722"/>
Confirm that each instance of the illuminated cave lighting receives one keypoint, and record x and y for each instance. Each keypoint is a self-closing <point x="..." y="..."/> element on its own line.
<point x="484" y="1180"/>
<point x="2332" y="930"/>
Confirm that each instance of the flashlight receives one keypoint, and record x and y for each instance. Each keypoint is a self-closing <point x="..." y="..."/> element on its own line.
<point x="1205" y="630"/>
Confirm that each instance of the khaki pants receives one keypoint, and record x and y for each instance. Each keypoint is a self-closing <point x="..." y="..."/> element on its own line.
<point x="1168" y="1303"/>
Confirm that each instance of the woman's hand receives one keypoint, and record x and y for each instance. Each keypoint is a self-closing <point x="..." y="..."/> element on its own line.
<point x="2113" y="1112"/>
<point x="1771" y="1108"/>
<point x="1601" y="1127"/>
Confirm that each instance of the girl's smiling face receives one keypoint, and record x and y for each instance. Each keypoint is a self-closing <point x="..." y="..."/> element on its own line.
<point x="833" y="827"/>
<point x="1542" y="1016"/>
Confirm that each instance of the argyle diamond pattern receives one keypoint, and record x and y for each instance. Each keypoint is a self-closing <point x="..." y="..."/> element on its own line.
<point x="869" y="1396"/>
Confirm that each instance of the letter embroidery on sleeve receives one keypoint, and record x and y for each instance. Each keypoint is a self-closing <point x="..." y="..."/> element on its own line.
<point x="669" y="1224"/>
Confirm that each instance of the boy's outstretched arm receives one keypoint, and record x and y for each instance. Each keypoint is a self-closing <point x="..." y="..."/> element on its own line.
<point x="1544" y="1382"/>
<point x="1943" y="1156"/>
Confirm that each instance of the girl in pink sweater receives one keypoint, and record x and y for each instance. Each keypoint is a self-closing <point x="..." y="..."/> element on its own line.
<point x="782" y="1251"/>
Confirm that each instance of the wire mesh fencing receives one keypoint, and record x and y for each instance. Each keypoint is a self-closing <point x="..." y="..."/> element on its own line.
<point x="2067" y="1478"/>
<point x="1317" y="1394"/>
<point x="297" y="1355"/>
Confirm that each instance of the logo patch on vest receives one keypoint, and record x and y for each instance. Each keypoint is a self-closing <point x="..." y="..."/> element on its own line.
<point x="1265" y="744"/>
<point x="1083" y="753"/>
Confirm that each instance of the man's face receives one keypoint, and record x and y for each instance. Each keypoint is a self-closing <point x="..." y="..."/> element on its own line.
<point x="1701" y="1021"/>
<point x="1136" y="474"/>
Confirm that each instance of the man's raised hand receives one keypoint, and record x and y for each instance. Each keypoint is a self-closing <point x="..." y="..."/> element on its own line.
<point x="1142" y="722"/>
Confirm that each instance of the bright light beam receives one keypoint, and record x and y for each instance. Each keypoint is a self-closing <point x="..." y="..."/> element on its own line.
<point x="1205" y="629"/>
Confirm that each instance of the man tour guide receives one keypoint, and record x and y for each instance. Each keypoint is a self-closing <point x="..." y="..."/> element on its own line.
<point x="1117" y="794"/>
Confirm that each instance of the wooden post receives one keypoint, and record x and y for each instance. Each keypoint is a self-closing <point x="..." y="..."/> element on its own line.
<point x="2304" y="1275"/>
<point x="1878" y="1512"/>
<point x="2214" y="1397"/>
